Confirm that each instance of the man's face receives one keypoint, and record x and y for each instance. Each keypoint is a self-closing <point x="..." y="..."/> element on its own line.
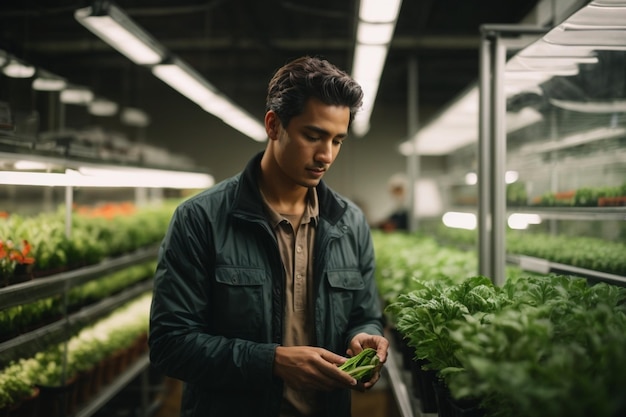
<point x="306" y="149"/>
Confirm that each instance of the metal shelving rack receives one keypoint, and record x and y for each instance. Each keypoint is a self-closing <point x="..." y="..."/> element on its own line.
<point x="58" y="331"/>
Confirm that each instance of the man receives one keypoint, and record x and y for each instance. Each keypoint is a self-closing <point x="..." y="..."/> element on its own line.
<point x="265" y="281"/>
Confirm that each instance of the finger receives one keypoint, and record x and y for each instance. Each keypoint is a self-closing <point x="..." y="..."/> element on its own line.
<point x="332" y="358"/>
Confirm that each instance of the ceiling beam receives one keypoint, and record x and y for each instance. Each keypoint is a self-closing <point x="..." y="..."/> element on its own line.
<point x="204" y="44"/>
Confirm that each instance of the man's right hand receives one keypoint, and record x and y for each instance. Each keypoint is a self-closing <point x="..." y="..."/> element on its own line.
<point x="306" y="367"/>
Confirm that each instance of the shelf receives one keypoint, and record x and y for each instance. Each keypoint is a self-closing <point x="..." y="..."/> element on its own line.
<point x="560" y="213"/>
<point x="38" y="288"/>
<point x="107" y="393"/>
<point x="574" y="213"/>
<point x="577" y="139"/>
<point x="542" y="266"/>
<point x="398" y="387"/>
<point x="400" y="380"/>
<point x="28" y="344"/>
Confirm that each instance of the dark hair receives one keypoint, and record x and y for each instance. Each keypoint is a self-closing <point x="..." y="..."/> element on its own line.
<point x="297" y="81"/>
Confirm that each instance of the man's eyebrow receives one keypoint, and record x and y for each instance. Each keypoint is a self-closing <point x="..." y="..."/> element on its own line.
<point x="324" y="132"/>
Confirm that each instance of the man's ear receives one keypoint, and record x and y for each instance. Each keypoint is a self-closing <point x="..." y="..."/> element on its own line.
<point x="272" y="123"/>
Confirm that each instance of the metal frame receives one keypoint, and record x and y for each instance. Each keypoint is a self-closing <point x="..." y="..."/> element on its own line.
<point x="491" y="220"/>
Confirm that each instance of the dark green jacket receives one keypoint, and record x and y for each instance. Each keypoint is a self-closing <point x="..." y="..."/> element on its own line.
<point x="216" y="315"/>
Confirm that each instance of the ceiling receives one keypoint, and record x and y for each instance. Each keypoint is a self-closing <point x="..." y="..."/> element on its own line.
<point x="238" y="44"/>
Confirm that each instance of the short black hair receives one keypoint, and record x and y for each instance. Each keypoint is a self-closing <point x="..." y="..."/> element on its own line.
<point x="306" y="77"/>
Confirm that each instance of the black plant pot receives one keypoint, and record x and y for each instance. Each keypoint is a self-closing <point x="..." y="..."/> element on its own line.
<point x="450" y="407"/>
<point x="423" y="380"/>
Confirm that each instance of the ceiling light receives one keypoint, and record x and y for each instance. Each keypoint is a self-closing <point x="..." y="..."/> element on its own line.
<point x="520" y="221"/>
<point x="76" y="95"/>
<point x="113" y="26"/>
<point x="377" y="22"/>
<point x="30" y="165"/>
<point x="149" y="178"/>
<point x="459" y="220"/>
<point x="17" y="69"/>
<point x="185" y="80"/>
<point x="597" y="107"/>
<point x="385" y="11"/>
<point x="102" y="107"/>
<point x="126" y="177"/>
<point x="49" y="84"/>
<point x="369" y="61"/>
<point x="375" y="33"/>
<point x="596" y="39"/>
<point x="597" y="17"/>
<point x="117" y="29"/>
<point x="192" y="85"/>
<point x="134" y="117"/>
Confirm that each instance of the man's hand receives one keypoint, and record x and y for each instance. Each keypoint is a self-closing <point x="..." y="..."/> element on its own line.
<point x="362" y="341"/>
<point x="306" y="367"/>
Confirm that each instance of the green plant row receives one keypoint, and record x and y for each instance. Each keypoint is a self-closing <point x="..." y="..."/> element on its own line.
<point x="92" y="239"/>
<point x="21" y="318"/>
<point x="580" y="251"/>
<point x="583" y="197"/>
<point x="405" y="259"/>
<point x="552" y="345"/>
<point x="84" y="351"/>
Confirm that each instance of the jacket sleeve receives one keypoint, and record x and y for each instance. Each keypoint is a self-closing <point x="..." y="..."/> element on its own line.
<point x="367" y="315"/>
<point x="180" y="344"/>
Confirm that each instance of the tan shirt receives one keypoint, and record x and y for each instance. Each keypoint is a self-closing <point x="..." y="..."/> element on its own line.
<point x="295" y="243"/>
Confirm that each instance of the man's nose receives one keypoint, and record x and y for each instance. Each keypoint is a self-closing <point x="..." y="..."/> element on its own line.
<point x="325" y="152"/>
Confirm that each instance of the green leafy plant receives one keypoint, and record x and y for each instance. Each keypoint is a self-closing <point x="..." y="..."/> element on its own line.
<point x="363" y="365"/>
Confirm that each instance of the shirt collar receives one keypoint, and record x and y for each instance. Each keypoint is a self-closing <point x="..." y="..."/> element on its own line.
<point x="311" y="211"/>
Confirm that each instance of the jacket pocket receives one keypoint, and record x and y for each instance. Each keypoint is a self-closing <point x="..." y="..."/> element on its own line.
<point x="343" y="286"/>
<point x="239" y="304"/>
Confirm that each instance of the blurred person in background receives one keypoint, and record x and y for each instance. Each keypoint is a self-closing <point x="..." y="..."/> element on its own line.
<point x="266" y="280"/>
<point x="399" y="217"/>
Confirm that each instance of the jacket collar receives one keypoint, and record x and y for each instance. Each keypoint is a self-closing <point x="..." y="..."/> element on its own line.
<point x="248" y="197"/>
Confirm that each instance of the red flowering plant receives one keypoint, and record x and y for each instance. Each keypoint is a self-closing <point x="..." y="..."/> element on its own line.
<point x="13" y="257"/>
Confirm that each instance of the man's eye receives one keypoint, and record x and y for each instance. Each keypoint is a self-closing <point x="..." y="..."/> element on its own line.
<point x="312" y="138"/>
<point x="338" y="142"/>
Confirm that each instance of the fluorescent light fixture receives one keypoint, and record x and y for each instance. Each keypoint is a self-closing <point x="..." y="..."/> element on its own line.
<point x="149" y="178"/>
<point x="597" y="107"/>
<point x="541" y="48"/>
<point x="46" y="81"/>
<point x="94" y="177"/>
<point x="76" y="95"/>
<point x="377" y="22"/>
<point x="192" y="85"/>
<point x="374" y="33"/>
<point x="520" y="221"/>
<point x="30" y="165"/>
<point x="185" y="80"/>
<point x="114" y="27"/>
<point x="596" y="39"/>
<point x="597" y="17"/>
<point x="380" y="11"/>
<point x="511" y="176"/>
<point x="580" y="138"/>
<point x="369" y="61"/>
<point x="17" y="69"/>
<point x="459" y="220"/>
<point x="471" y="178"/>
<point x="49" y="84"/>
<point x="102" y="107"/>
<point x="455" y="127"/>
<point x="519" y="64"/>
<point x="132" y="116"/>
